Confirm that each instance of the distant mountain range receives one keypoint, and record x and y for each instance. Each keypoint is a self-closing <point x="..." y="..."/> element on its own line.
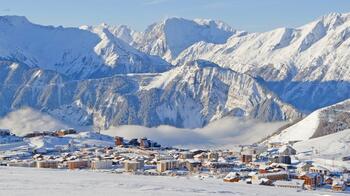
<point x="179" y="72"/>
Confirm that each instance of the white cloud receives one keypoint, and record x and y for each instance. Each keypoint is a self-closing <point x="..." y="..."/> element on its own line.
<point x="27" y="120"/>
<point x="224" y="133"/>
<point x="227" y="132"/>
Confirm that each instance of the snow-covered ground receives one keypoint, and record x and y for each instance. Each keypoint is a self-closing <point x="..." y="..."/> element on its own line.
<point x="329" y="146"/>
<point x="42" y="182"/>
<point x="303" y="130"/>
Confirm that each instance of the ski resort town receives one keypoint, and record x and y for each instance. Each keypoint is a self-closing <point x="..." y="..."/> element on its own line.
<point x="269" y="164"/>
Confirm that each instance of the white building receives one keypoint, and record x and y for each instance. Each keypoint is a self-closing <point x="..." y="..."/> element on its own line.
<point x="101" y="164"/>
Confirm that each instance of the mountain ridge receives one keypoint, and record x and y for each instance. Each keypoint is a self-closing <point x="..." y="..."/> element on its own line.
<point x="179" y="72"/>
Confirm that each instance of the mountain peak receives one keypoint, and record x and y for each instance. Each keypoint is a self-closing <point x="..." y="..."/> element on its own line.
<point x="14" y="20"/>
<point x="173" y="35"/>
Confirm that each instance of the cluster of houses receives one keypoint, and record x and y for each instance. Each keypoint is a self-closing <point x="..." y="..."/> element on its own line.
<point x="269" y="165"/>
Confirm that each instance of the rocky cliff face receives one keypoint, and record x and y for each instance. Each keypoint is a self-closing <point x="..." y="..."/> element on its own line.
<point x="187" y="96"/>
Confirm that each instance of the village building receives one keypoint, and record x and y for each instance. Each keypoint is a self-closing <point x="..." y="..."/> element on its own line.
<point x="320" y="170"/>
<point x="338" y="185"/>
<point x="193" y="165"/>
<point x="287" y="150"/>
<point x="297" y="184"/>
<point x="286" y="159"/>
<point x="21" y="164"/>
<point x="133" y="165"/>
<point x="200" y="157"/>
<point x="78" y="164"/>
<point x="246" y="158"/>
<point x="47" y="164"/>
<point x="133" y="142"/>
<point x="221" y="166"/>
<point x="64" y="132"/>
<point x="274" y="144"/>
<point x="144" y="142"/>
<point x="213" y="156"/>
<point x="271" y="176"/>
<point x="186" y="155"/>
<point x="119" y="141"/>
<point x="232" y="177"/>
<point x="165" y="165"/>
<point x="328" y="180"/>
<point x="303" y="167"/>
<point x="311" y="180"/>
<point x="101" y="164"/>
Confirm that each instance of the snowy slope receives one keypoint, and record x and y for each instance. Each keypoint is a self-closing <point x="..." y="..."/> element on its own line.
<point x="71" y="51"/>
<point x="78" y="140"/>
<point x="321" y="122"/>
<point x="334" y="145"/>
<point x="301" y="131"/>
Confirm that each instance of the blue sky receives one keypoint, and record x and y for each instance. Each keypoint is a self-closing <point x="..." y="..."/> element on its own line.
<point x="250" y="15"/>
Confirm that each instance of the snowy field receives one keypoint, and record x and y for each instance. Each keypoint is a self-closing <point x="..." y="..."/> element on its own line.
<point x="43" y="182"/>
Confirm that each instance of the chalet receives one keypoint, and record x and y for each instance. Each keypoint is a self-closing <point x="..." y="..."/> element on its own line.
<point x="193" y="165"/>
<point x="78" y="164"/>
<point x="232" y="177"/>
<point x="213" y="156"/>
<point x="222" y="166"/>
<point x="186" y="155"/>
<point x="246" y="158"/>
<point x="165" y="165"/>
<point x="303" y="167"/>
<point x="287" y="150"/>
<point x="200" y="157"/>
<point x="119" y="141"/>
<point x="144" y="142"/>
<point x="38" y="157"/>
<point x="5" y="157"/>
<point x="328" y="180"/>
<point x="320" y="170"/>
<point x="271" y="176"/>
<point x="248" y="149"/>
<point x="297" y="184"/>
<point x="274" y="144"/>
<point x="338" y="185"/>
<point x="311" y="180"/>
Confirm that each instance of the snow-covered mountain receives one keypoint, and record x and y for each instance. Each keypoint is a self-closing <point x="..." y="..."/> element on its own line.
<point x="71" y="51"/>
<point x="187" y="96"/>
<point x="112" y="75"/>
<point x="301" y="65"/>
<point x="171" y="36"/>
